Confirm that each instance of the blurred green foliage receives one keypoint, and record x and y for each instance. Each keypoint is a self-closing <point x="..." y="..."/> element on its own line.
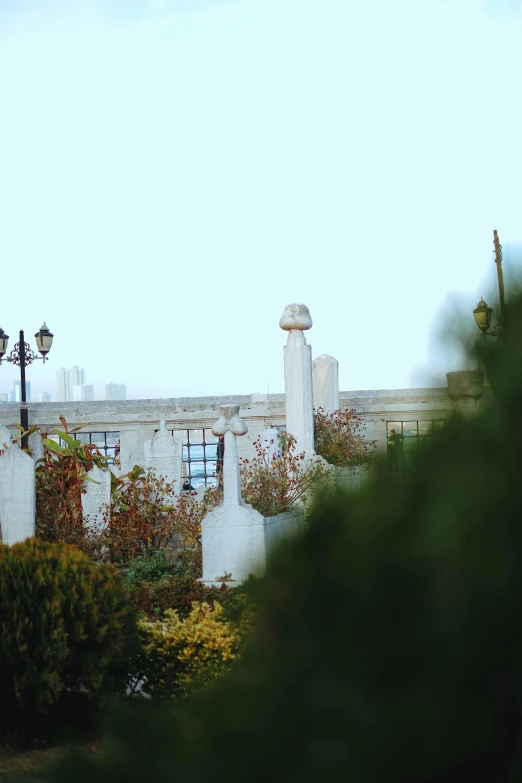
<point x="389" y="641"/>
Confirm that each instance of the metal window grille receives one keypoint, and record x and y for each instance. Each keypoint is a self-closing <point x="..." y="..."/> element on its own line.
<point x="105" y="441"/>
<point x="199" y="461"/>
<point x="409" y="437"/>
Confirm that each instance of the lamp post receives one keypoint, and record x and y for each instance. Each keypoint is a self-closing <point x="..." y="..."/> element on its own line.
<point x="482" y="312"/>
<point x="22" y="355"/>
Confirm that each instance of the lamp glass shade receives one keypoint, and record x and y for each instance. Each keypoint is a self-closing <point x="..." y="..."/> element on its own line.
<point x="482" y="315"/>
<point x="4" y="339"/>
<point x="44" y="339"/>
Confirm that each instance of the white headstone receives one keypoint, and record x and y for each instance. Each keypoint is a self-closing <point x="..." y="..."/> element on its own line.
<point x="131" y="447"/>
<point x="325" y="373"/>
<point x="233" y="532"/>
<point x="97" y="497"/>
<point x="17" y="495"/>
<point x="6" y="438"/>
<point x="269" y="438"/>
<point x="164" y="455"/>
<point x="298" y="377"/>
<point x="36" y="445"/>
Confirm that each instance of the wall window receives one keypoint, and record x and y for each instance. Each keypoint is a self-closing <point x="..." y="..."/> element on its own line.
<point x="105" y="441"/>
<point x="200" y="453"/>
<point x="404" y="438"/>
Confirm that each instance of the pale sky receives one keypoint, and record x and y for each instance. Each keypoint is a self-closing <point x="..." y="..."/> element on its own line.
<point x="173" y="173"/>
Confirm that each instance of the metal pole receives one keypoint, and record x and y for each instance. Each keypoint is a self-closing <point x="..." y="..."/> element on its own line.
<point x="24" y="414"/>
<point x="498" y="262"/>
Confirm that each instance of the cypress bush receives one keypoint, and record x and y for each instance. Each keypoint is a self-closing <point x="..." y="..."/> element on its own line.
<point x="65" y="623"/>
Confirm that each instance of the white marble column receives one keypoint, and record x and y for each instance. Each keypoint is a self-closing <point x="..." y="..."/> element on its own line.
<point x="325" y="373"/>
<point x="298" y="377"/>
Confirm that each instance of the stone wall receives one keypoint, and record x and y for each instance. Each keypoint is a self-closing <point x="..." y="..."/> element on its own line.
<point x="137" y="420"/>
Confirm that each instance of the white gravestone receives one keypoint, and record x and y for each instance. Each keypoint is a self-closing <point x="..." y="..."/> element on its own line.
<point x="36" y="445"/>
<point x="17" y="495"/>
<point x="6" y="438"/>
<point x="235" y="537"/>
<point x="96" y="498"/>
<point x="298" y="378"/>
<point x="163" y="455"/>
<point x="325" y="374"/>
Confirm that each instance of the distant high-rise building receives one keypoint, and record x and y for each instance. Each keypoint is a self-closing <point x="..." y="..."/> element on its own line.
<point x="18" y="391"/>
<point x="75" y="393"/>
<point x="44" y="397"/>
<point x="11" y="397"/>
<point x="87" y="392"/>
<point x="84" y="392"/>
<point x="4" y="397"/>
<point x="115" y="391"/>
<point x="62" y="385"/>
<point x="76" y="376"/>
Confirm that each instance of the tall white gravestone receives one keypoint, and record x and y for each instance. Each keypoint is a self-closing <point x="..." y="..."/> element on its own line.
<point x="236" y="539"/>
<point x="298" y="377"/>
<point x="163" y="455"/>
<point x="325" y="374"/>
<point x="233" y="533"/>
<point x="17" y="495"/>
<point x="96" y="498"/>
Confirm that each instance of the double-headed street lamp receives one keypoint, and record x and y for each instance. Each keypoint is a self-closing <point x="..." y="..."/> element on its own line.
<point x="22" y="355"/>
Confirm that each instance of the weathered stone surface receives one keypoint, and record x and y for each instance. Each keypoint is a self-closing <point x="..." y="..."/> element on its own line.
<point x="6" y="438"/>
<point x="296" y="316"/>
<point x="96" y="498"/>
<point x="36" y="445"/>
<point x="270" y="442"/>
<point x="299" y="391"/>
<point x="17" y="495"/>
<point x="325" y="376"/>
<point x="465" y="383"/>
<point x="163" y="456"/>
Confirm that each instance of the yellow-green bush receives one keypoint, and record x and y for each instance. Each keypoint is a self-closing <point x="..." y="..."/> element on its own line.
<point x="183" y="654"/>
<point x="65" y="622"/>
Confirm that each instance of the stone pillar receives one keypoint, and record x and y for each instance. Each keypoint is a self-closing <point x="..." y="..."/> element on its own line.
<point x="325" y="375"/>
<point x="298" y="377"/>
<point x="97" y="497"/>
<point x="233" y="537"/>
<point x="17" y="495"/>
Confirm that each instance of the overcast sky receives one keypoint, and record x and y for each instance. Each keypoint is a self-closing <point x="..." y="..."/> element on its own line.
<point x="174" y="173"/>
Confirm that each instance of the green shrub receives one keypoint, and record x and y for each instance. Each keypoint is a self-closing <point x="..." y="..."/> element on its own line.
<point x="183" y="654"/>
<point x="65" y="622"/>
<point x="173" y="592"/>
<point x="163" y="563"/>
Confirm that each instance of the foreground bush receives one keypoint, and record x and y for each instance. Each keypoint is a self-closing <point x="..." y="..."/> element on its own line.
<point x="183" y="654"/>
<point x="65" y="623"/>
<point x="389" y="644"/>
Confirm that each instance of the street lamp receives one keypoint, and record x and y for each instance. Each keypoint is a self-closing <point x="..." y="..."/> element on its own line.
<point x="482" y="315"/>
<point x="22" y="355"/>
<point x="482" y="312"/>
